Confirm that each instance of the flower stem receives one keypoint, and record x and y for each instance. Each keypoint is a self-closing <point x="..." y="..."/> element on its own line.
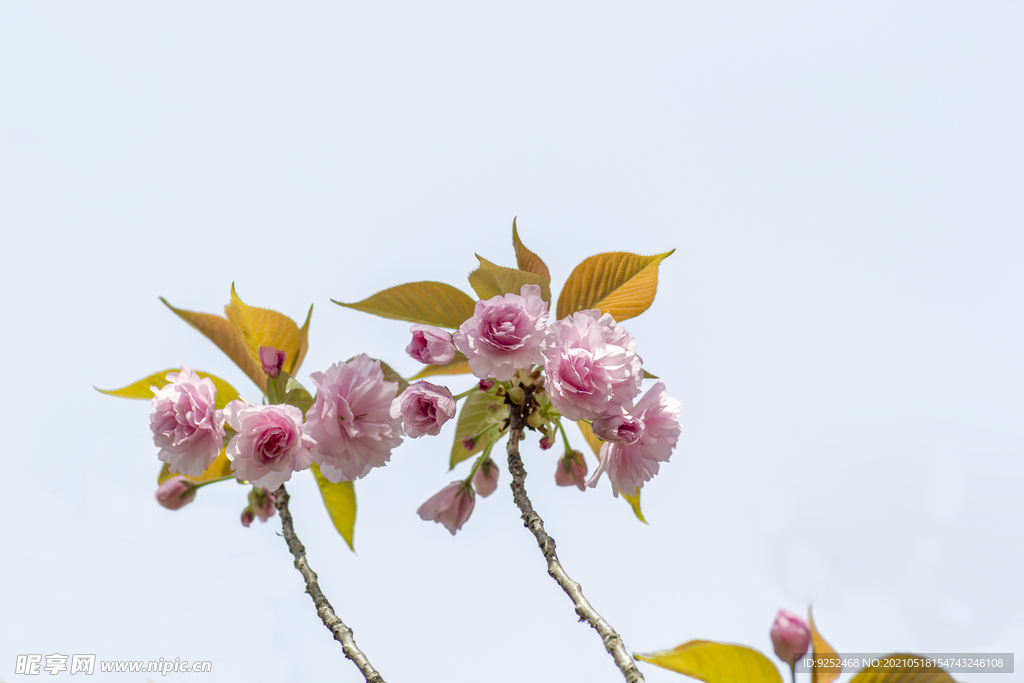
<point x="565" y="437"/>
<point x="479" y="461"/>
<point x="532" y="521"/>
<point x="467" y="392"/>
<point x="342" y="633"/>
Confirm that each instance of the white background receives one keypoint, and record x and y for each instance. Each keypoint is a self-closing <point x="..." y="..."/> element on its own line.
<point x="842" y="319"/>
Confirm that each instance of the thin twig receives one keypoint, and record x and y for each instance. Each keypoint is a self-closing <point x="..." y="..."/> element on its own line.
<point x="342" y="633"/>
<point x="533" y="522"/>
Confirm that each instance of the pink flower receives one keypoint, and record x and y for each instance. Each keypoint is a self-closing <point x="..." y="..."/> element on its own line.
<point x="269" y="445"/>
<point x="571" y="470"/>
<point x="175" y="493"/>
<point x="247" y="517"/>
<point x="430" y="345"/>
<point x="424" y="408"/>
<point x="591" y="366"/>
<point x="623" y="428"/>
<point x="185" y="422"/>
<point x="790" y="636"/>
<point x="504" y="334"/>
<point x="351" y="419"/>
<point x="451" y="506"/>
<point x="272" y="360"/>
<point x="263" y="503"/>
<point x="486" y="478"/>
<point x="629" y="465"/>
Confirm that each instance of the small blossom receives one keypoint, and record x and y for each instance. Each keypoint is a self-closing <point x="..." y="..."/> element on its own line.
<point x="790" y="636"/>
<point x="186" y="425"/>
<point x="272" y="360"/>
<point x="175" y="493"/>
<point x="351" y="419"/>
<point x="451" y="506"/>
<point x="505" y="334"/>
<point x="269" y="445"/>
<point x="430" y="345"/>
<point x="486" y="478"/>
<point x="424" y="408"/>
<point x="571" y="470"/>
<point x="629" y="465"/>
<point x="263" y="503"/>
<point x="624" y="428"/>
<point x="247" y="517"/>
<point x="546" y="443"/>
<point x="591" y="366"/>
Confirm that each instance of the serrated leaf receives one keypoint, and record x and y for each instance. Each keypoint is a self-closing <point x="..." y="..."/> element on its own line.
<point x="223" y="334"/>
<point x="821" y="649"/>
<point x="473" y="419"/>
<point x="391" y="376"/>
<point x="490" y="280"/>
<point x="618" y="283"/>
<point x="141" y="389"/>
<point x="219" y="469"/>
<point x="303" y="343"/>
<point x="426" y="303"/>
<point x="291" y="391"/>
<point x="526" y="259"/>
<point x="340" y="501"/>
<point x="903" y="674"/>
<point x="458" y="366"/>
<point x="715" y="662"/>
<point x="263" y="327"/>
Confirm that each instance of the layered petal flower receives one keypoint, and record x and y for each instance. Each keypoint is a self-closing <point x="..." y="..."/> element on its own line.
<point x="424" y="408"/>
<point x="451" y="506"/>
<point x="591" y="367"/>
<point x="270" y="443"/>
<point x="186" y="425"/>
<point x="505" y="334"/>
<point x="431" y="345"/>
<point x="629" y="465"/>
<point x="175" y="493"/>
<point x="351" y="419"/>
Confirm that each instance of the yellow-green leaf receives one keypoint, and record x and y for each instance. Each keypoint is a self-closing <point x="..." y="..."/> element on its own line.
<point x="218" y="469"/>
<point x="391" y="376"/>
<point x="618" y="283"/>
<point x="223" y="334"/>
<point x="716" y="663"/>
<point x="458" y="366"/>
<point x="141" y="389"/>
<point x="340" y="501"/>
<point x="473" y="419"/>
<point x="303" y="343"/>
<point x="820" y="649"/>
<point x="648" y="375"/>
<point x="916" y="672"/>
<point x="595" y="445"/>
<point x="263" y="327"/>
<point x="490" y="280"/>
<point x="426" y="303"/>
<point x="526" y="259"/>
<point x="634" y="502"/>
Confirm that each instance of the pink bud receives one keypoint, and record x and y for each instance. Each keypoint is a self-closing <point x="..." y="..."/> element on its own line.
<point x="451" y="506"/>
<point x="247" y="517"/>
<point x="262" y="504"/>
<point x="546" y="443"/>
<point x="272" y="360"/>
<point x="486" y="478"/>
<point x="790" y="636"/>
<point x="175" y="493"/>
<point x="468" y="443"/>
<point x="430" y="345"/>
<point x="486" y="384"/>
<point x="571" y="470"/>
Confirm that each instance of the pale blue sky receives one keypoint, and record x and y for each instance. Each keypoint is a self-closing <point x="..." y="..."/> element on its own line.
<point x="842" y="319"/>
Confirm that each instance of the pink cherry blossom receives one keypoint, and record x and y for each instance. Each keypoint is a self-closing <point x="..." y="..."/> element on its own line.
<point x="424" y="408"/>
<point x="269" y="445"/>
<point x="451" y="506"/>
<point x="272" y="360"/>
<point x="591" y="366"/>
<point x="430" y="345"/>
<point x="263" y="504"/>
<point x="629" y="465"/>
<point x="175" y="493"/>
<point x="790" y="636"/>
<point x="505" y="334"/>
<point x="571" y="470"/>
<point x="351" y="419"/>
<point x="485" y="481"/>
<point x="623" y="428"/>
<point x="185" y="422"/>
<point x="247" y="517"/>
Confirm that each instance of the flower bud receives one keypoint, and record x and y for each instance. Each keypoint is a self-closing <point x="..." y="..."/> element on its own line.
<point x="571" y="470"/>
<point x="546" y="443"/>
<point x="790" y="636"/>
<point x="468" y="443"/>
<point x="517" y="395"/>
<point x="486" y="478"/>
<point x="262" y="504"/>
<point x="272" y="360"/>
<point x="430" y="345"/>
<point x="486" y="384"/>
<point x="535" y="419"/>
<point x="451" y="506"/>
<point x="175" y="493"/>
<point x="247" y="517"/>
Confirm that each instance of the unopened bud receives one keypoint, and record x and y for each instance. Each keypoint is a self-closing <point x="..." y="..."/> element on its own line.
<point x="517" y="395"/>
<point x="468" y="443"/>
<point x="175" y="493"/>
<point x="571" y="470"/>
<point x="486" y="478"/>
<point x="486" y="384"/>
<point x="272" y="360"/>
<point x="262" y="504"/>
<point x="790" y="636"/>
<point x="546" y="443"/>
<point x="247" y="517"/>
<point x="535" y="419"/>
